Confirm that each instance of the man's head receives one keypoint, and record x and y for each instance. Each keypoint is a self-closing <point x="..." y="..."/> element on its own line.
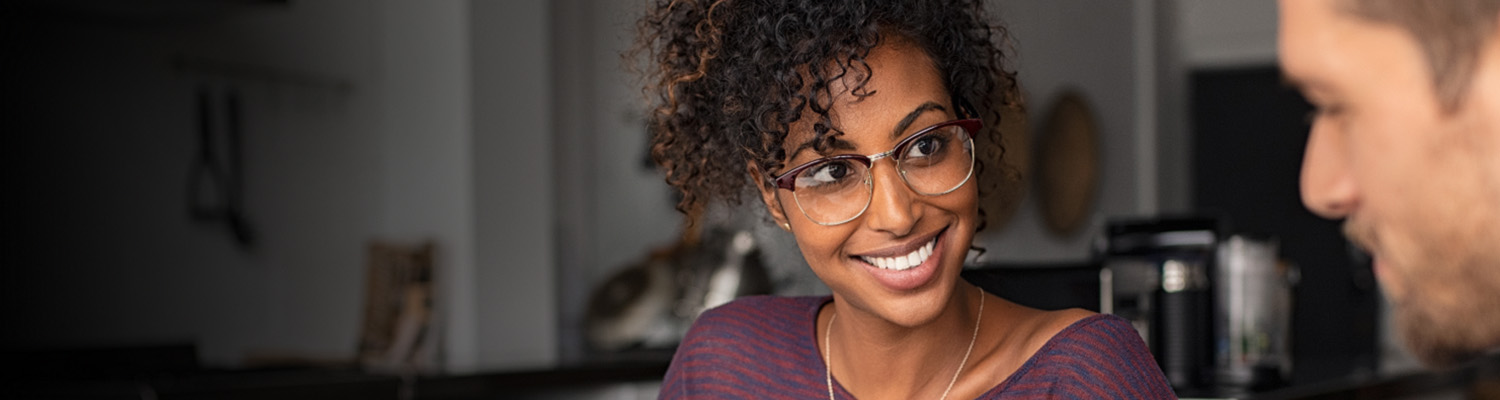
<point x="1406" y="146"/>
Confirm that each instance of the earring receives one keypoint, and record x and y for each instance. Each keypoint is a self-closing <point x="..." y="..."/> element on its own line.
<point x="786" y="226"/>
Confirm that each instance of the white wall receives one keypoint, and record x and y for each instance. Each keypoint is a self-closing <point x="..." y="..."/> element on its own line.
<point x="512" y="102"/>
<point x="1086" y="46"/>
<point x="630" y="206"/>
<point x="1226" y="33"/>
<point x="426" y="133"/>
<point x="611" y="209"/>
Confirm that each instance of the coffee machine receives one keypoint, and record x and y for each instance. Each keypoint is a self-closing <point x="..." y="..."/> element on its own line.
<point x="1157" y="273"/>
<point x="1214" y="308"/>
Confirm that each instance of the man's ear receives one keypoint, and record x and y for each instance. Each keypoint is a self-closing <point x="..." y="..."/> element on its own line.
<point x="767" y="194"/>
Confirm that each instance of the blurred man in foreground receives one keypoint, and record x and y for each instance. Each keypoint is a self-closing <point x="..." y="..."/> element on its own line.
<point x="1405" y="146"/>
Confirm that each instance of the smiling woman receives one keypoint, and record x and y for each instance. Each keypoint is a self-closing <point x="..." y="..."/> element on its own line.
<point x="864" y="129"/>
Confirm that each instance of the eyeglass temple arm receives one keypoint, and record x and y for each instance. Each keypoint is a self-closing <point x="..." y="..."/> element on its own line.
<point x="965" y="109"/>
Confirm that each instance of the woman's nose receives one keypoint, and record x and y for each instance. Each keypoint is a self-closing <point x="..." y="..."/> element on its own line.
<point x="892" y="208"/>
<point x="1328" y="188"/>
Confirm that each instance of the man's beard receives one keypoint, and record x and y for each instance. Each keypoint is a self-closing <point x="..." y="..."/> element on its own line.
<point x="1441" y="335"/>
<point x="1433" y="337"/>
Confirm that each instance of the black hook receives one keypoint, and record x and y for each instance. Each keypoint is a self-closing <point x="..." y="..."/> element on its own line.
<point x="215" y="191"/>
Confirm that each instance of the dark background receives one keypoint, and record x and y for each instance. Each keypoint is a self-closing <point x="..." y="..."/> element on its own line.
<point x="1249" y="134"/>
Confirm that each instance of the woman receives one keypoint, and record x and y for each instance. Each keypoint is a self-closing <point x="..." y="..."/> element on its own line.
<point x="863" y="128"/>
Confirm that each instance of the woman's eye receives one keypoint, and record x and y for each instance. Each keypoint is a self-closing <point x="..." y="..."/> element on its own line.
<point x="925" y="147"/>
<point x="829" y="172"/>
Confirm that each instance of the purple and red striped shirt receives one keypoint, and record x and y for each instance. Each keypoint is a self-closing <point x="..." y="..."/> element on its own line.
<point x="765" y="348"/>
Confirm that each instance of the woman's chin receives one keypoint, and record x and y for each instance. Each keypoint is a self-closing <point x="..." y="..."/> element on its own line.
<point x="918" y="305"/>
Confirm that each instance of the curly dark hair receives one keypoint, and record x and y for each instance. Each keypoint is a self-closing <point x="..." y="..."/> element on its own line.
<point x="729" y="77"/>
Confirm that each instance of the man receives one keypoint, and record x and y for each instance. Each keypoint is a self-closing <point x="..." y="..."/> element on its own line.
<point x="1405" y="146"/>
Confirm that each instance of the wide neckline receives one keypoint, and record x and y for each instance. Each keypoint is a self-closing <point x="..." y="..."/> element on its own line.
<point x="811" y="340"/>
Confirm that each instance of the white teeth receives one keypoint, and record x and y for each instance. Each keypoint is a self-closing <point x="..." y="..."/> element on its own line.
<point x="899" y="263"/>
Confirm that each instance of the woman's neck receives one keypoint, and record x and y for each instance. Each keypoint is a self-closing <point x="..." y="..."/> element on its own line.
<point x="875" y="358"/>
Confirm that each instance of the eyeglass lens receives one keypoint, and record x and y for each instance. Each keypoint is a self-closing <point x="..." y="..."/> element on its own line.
<point x="838" y="190"/>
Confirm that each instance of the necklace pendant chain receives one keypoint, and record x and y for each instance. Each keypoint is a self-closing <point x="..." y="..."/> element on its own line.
<point x="828" y="351"/>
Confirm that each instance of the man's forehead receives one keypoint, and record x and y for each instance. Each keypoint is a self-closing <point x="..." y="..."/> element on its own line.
<point x="1293" y="42"/>
<point x="1309" y="39"/>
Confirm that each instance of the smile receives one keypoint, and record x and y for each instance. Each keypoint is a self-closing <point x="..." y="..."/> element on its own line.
<point x="903" y="262"/>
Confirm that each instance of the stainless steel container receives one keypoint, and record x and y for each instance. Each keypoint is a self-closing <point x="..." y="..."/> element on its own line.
<point x="1253" y="313"/>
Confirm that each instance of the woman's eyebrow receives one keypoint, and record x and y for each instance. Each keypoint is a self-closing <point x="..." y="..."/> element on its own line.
<point x="905" y="123"/>
<point x="836" y="143"/>
<point x="912" y="117"/>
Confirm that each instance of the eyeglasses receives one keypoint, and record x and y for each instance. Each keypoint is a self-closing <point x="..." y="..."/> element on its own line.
<point x="934" y="161"/>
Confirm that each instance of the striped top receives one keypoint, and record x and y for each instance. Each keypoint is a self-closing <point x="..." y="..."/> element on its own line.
<point x="765" y="348"/>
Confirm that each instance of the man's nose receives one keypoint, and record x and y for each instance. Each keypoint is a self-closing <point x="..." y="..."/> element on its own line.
<point x="891" y="201"/>
<point x="1327" y="187"/>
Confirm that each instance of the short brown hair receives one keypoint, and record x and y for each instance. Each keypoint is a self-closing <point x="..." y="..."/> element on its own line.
<point x="1451" y="33"/>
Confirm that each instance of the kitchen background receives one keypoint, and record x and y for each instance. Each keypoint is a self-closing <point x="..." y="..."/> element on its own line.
<point x="214" y="172"/>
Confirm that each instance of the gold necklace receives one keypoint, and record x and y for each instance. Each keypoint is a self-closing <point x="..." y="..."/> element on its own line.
<point x="828" y="361"/>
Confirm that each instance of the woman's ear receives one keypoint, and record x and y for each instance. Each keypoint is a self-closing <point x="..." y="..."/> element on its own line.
<point x="767" y="195"/>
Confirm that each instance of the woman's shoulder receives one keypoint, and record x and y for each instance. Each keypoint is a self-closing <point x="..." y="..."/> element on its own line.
<point x="760" y="313"/>
<point x="751" y="348"/>
<point x="753" y="326"/>
<point x="1094" y="356"/>
<point x="783" y="305"/>
<point x="1083" y="336"/>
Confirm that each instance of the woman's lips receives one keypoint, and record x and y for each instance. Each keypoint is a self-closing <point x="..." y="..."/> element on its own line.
<point x="897" y="272"/>
<point x="904" y="261"/>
